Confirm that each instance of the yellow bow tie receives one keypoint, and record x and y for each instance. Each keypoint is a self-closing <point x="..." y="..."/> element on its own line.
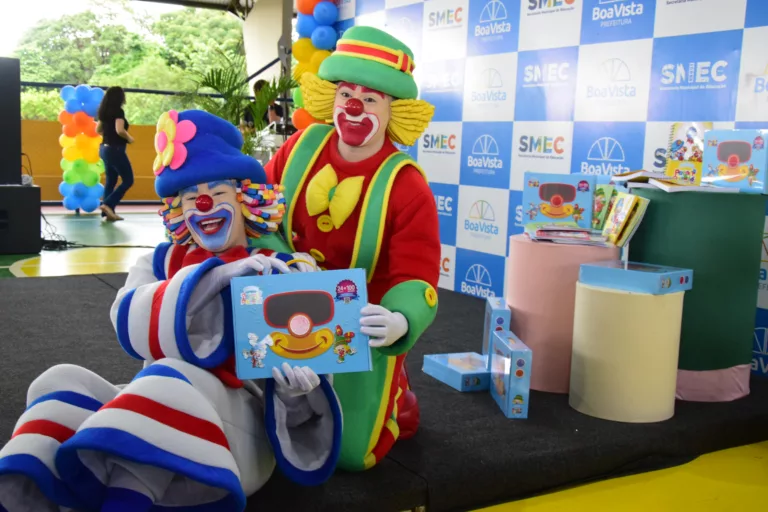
<point x="324" y="192"/>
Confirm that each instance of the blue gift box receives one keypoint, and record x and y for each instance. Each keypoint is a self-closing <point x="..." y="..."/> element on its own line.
<point x="636" y="277"/>
<point x="510" y="374"/>
<point x="736" y="159"/>
<point x="464" y="371"/>
<point x="497" y="318"/>
<point x="305" y="319"/>
<point x="558" y="198"/>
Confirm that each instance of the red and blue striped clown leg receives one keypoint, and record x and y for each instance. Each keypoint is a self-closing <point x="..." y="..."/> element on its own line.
<point x="58" y="402"/>
<point x="174" y="437"/>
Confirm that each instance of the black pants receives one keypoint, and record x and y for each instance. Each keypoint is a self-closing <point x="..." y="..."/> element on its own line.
<point x="116" y="164"/>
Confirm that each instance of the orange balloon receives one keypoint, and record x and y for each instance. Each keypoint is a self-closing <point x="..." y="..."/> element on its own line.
<point x="65" y="117"/>
<point x="82" y="119"/>
<point x="301" y="119"/>
<point x="91" y="130"/>
<point x="307" y="6"/>
<point x="70" y="129"/>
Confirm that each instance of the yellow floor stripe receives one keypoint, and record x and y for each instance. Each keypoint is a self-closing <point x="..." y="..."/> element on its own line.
<point x="101" y="260"/>
<point x="729" y="480"/>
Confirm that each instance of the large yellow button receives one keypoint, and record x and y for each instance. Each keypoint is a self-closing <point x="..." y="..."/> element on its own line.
<point x="431" y="297"/>
<point x="319" y="257"/>
<point x="324" y="223"/>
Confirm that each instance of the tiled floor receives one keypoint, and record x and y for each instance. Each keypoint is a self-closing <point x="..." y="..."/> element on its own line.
<point x="734" y="479"/>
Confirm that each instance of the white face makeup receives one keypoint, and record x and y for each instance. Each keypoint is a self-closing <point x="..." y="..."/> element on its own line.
<point x="360" y="114"/>
<point x="213" y="216"/>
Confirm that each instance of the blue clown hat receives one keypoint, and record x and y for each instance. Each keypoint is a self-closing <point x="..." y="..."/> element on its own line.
<point x="196" y="147"/>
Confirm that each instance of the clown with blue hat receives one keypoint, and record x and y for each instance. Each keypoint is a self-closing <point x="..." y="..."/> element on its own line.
<point x="185" y="432"/>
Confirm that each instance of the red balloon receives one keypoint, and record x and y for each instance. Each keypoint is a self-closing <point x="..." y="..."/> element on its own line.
<point x="307" y="6"/>
<point x="70" y="129"/>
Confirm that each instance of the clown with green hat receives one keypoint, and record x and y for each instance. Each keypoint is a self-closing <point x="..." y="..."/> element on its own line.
<point x="354" y="200"/>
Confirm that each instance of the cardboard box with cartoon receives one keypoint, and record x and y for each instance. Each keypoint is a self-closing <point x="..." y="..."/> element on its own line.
<point x="466" y="371"/>
<point x="736" y="159"/>
<point x="558" y="198"/>
<point x="308" y="319"/>
<point x="510" y="374"/>
<point x="497" y="318"/>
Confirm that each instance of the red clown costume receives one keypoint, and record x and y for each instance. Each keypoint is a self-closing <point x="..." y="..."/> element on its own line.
<point x="376" y="213"/>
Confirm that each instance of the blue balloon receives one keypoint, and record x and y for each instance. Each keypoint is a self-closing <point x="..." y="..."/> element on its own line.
<point x="71" y="203"/>
<point x="97" y="94"/>
<point x="305" y="25"/>
<point x="67" y="92"/>
<point x="80" y="190"/>
<point x="96" y="191"/>
<point x="89" y="204"/>
<point x="324" y="38"/>
<point x="73" y="106"/>
<point x="91" y="108"/>
<point x="326" y="13"/>
<point x="65" y="189"/>
<point x="82" y="93"/>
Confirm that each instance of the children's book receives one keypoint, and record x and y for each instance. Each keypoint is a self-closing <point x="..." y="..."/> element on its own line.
<point x="558" y="198"/>
<point x="602" y="203"/>
<point x="634" y="220"/>
<point x="685" y="151"/>
<point x="636" y="176"/>
<point x="675" y="186"/>
<point x="305" y="319"/>
<point x="736" y="159"/>
<point x="619" y="217"/>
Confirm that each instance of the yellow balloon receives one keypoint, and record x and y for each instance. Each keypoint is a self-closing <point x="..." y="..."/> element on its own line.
<point x="65" y="141"/>
<point x="312" y="68"/>
<point x="319" y="57"/>
<point x="71" y="153"/>
<point x="83" y="142"/>
<point x="303" y="49"/>
<point x="300" y="69"/>
<point x="91" y="155"/>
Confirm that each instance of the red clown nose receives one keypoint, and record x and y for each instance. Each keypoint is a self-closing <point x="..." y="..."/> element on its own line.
<point x="204" y="203"/>
<point x="354" y="107"/>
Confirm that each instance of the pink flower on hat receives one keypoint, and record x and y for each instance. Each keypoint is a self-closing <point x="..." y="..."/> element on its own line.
<point x="169" y="141"/>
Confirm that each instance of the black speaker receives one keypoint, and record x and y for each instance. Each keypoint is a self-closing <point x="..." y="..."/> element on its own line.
<point x="20" y="219"/>
<point x="10" y="122"/>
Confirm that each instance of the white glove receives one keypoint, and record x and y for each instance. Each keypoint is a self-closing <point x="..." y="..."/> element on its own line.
<point x="219" y="277"/>
<point x="298" y="381"/>
<point x="306" y="264"/>
<point x="382" y="326"/>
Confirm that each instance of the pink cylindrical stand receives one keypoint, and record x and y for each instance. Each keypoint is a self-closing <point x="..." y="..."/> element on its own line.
<point x="541" y="292"/>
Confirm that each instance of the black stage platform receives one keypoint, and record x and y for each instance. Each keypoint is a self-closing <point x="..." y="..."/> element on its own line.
<point x="466" y="454"/>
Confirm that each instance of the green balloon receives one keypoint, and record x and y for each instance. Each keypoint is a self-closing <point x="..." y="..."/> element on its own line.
<point x="80" y="166"/>
<point x="90" y="178"/>
<point x="98" y="167"/>
<point x="65" y="164"/>
<point x="71" y="177"/>
<point x="298" y="100"/>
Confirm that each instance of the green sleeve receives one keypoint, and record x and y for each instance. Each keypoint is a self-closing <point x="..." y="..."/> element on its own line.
<point x="417" y="302"/>
<point x="273" y="241"/>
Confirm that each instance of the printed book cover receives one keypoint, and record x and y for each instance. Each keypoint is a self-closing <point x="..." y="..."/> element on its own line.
<point x="305" y="319"/>
<point x="558" y="198"/>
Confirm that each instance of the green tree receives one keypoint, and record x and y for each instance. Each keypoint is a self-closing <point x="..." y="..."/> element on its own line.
<point x="194" y="38"/>
<point x="71" y="48"/>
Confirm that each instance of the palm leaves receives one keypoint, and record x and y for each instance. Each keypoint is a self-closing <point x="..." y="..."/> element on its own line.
<point x="228" y="80"/>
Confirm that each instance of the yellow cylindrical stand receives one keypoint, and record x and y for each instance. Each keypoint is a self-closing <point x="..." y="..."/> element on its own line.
<point x="625" y="354"/>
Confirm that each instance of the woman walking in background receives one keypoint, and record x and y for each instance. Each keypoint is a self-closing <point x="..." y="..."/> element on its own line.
<point x="113" y="126"/>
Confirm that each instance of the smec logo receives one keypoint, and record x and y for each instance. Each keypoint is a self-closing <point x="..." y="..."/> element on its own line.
<point x="493" y="20"/>
<point x="488" y="87"/>
<point x="477" y="281"/>
<point x="444" y="205"/>
<point x="440" y="143"/>
<point x="544" y="6"/>
<point x="446" y="18"/>
<point x="481" y="219"/>
<point x="443" y="81"/>
<point x="694" y="75"/>
<point x="485" y="156"/>
<point x="616" y="81"/>
<point x="660" y="158"/>
<point x="541" y="146"/>
<point x="445" y="267"/>
<point x="612" y="13"/>
<point x="606" y="156"/>
<point x="546" y="75"/>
